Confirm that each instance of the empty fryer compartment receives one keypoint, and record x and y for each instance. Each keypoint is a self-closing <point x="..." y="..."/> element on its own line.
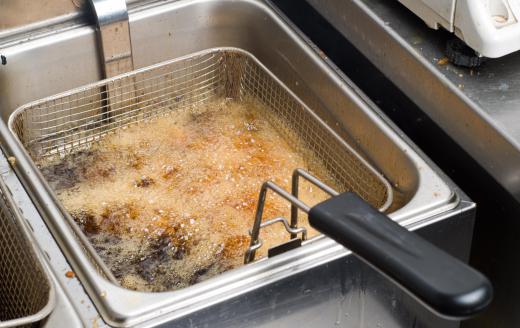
<point x="26" y="291"/>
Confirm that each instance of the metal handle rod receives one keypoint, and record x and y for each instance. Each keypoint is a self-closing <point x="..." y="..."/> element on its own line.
<point x="294" y="231"/>
<point x="114" y="36"/>
<point x="116" y="48"/>
<point x="258" y="244"/>
<point x="255" y="232"/>
<point x="295" y="205"/>
<point x="294" y="190"/>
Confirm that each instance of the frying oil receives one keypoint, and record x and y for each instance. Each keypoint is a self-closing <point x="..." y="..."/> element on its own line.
<point x="169" y="202"/>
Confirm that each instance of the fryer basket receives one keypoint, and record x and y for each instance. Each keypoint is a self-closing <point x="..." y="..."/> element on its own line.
<point x="26" y="291"/>
<point x="72" y="121"/>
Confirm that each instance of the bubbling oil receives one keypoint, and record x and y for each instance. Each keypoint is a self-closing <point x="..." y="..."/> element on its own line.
<point x="169" y="202"/>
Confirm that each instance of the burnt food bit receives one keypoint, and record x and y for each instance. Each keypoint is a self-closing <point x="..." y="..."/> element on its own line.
<point x="144" y="182"/>
<point x="67" y="173"/>
<point x="200" y="273"/>
<point x="160" y="251"/>
<point x="61" y="176"/>
<point x="87" y="221"/>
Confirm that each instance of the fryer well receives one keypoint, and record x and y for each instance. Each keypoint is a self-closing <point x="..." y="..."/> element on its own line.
<point x="26" y="291"/>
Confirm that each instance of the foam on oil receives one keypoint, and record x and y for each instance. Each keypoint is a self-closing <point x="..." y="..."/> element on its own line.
<point x="169" y="202"/>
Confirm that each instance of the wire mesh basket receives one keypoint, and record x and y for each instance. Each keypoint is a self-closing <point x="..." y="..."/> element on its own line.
<point x="74" y="120"/>
<point x="26" y="291"/>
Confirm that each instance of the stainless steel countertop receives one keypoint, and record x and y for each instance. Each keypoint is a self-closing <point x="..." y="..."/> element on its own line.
<point x="478" y="108"/>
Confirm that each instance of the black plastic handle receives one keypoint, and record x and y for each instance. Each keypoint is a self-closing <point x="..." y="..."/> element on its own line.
<point x="446" y="285"/>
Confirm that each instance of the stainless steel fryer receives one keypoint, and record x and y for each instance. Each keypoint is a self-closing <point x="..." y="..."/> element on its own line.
<point x="422" y="195"/>
<point x="26" y="290"/>
<point x="61" y="125"/>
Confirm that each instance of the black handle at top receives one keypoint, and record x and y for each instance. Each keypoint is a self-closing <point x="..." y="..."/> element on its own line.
<point x="445" y="284"/>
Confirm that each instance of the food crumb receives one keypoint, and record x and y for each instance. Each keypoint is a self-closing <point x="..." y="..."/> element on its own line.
<point x="12" y="160"/>
<point x="95" y="322"/>
<point x="443" y="61"/>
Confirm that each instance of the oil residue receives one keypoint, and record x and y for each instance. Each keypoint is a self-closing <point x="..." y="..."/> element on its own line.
<point x="169" y="202"/>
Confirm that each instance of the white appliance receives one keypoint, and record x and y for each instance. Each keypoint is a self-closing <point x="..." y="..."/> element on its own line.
<point x="490" y="27"/>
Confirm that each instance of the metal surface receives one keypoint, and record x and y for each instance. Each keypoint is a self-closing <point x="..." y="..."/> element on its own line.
<point x="295" y="188"/>
<point x="23" y="19"/>
<point x="114" y="36"/>
<point x="476" y="107"/>
<point x="27" y="294"/>
<point x="18" y="13"/>
<point x="176" y="29"/>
